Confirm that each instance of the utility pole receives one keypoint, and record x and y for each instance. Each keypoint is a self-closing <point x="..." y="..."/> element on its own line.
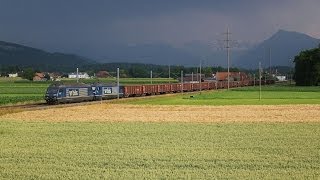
<point x="169" y="74"/>
<point x="77" y="75"/>
<point x="118" y="84"/>
<point x="151" y="76"/>
<point x="197" y="75"/>
<point x="228" y="54"/>
<point x="181" y="81"/>
<point x="270" y="64"/>
<point x="290" y="71"/>
<point x="260" y="81"/>
<point x="200" y="76"/>
<point x="192" y="77"/>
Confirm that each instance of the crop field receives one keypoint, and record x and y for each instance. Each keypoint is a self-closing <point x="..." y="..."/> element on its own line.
<point x="271" y="95"/>
<point x="46" y="150"/>
<point x="20" y="91"/>
<point x="212" y="135"/>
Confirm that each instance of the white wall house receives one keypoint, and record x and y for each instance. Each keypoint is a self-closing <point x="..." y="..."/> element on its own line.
<point x="13" y="75"/>
<point x="281" y="78"/>
<point x="81" y="75"/>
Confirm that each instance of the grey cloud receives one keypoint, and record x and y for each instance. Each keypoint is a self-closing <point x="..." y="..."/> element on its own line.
<point x="88" y="27"/>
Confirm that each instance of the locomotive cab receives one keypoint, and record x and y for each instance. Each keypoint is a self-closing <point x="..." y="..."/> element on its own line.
<point x="69" y="93"/>
<point x="52" y="95"/>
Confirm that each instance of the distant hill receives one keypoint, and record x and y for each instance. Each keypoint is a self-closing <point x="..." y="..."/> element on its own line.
<point x="285" y="45"/>
<point x="153" y="53"/>
<point x="189" y="54"/>
<point x="14" y="54"/>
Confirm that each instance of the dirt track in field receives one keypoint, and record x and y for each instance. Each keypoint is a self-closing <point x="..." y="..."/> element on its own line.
<point x="161" y="113"/>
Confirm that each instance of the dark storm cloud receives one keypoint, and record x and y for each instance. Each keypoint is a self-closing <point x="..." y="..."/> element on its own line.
<point x="88" y="26"/>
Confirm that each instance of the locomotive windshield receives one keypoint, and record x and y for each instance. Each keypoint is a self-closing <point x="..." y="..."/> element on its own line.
<point x="52" y="91"/>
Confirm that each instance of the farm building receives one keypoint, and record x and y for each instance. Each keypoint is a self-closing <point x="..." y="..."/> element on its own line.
<point x="81" y="75"/>
<point x="55" y="76"/>
<point x="103" y="74"/>
<point x="39" y="77"/>
<point x="13" y="75"/>
<point x="281" y="78"/>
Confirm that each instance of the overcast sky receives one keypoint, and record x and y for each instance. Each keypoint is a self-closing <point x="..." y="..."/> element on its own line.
<point x="76" y="26"/>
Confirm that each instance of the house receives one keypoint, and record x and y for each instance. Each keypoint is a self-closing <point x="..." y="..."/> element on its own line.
<point x="281" y="78"/>
<point x="13" y="75"/>
<point x="102" y="74"/>
<point x="55" y="76"/>
<point x="81" y="75"/>
<point x="39" y="77"/>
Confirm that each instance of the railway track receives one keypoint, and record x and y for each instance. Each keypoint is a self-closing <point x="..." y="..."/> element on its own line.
<point x="23" y="106"/>
<point x="39" y="106"/>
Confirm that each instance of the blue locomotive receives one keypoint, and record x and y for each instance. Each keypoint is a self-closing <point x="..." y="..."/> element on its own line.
<point x="69" y="93"/>
<point x="107" y="91"/>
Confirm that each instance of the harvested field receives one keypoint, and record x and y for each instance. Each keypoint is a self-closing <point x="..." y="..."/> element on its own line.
<point x="162" y="113"/>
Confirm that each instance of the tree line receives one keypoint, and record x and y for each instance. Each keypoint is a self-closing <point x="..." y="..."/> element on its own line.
<point x="127" y="70"/>
<point x="307" y="67"/>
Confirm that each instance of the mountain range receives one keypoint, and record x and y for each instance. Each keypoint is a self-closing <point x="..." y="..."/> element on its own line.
<point x="281" y="48"/>
<point x="12" y="54"/>
<point x="283" y="45"/>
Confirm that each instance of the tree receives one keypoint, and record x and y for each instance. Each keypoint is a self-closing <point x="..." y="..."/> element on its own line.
<point x="307" y="68"/>
<point x="207" y="71"/>
<point x="28" y="74"/>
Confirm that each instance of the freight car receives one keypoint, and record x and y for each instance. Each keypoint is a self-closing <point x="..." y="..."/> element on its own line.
<point x="84" y="92"/>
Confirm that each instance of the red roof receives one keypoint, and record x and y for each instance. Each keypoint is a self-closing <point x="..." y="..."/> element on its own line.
<point x="41" y="75"/>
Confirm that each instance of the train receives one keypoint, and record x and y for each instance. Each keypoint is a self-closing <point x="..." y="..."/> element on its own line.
<point x="80" y="92"/>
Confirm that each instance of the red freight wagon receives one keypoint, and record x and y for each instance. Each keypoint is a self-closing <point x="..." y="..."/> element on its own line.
<point x="212" y="85"/>
<point x="222" y="84"/>
<point x="175" y="87"/>
<point x="196" y="86"/>
<point x="204" y="86"/>
<point x="150" y="89"/>
<point x="164" y="88"/>
<point x="133" y="91"/>
<point x="187" y="87"/>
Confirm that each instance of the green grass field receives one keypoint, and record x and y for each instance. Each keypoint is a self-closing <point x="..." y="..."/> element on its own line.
<point x="14" y="90"/>
<point x="44" y="150"/>
<point x="271" y="95"/>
